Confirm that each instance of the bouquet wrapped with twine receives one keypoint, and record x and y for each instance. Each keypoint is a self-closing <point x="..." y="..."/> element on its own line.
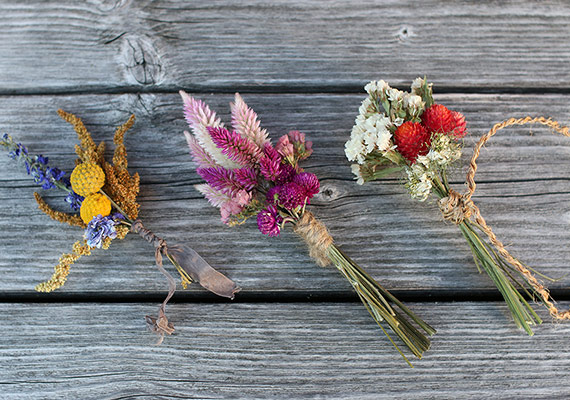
<point x="408" y="132"/>
<point x="105" y="195"/>
<point x="247" y="177"/>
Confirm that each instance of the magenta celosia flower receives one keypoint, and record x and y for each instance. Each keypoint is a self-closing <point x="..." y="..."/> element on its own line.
<point x="270" y="164"/>
<point x="292" y="195"/>
<point x="236" y="148"/>
<point x="229" y="181"/>
<point x="309" y="182"/>
<point x="268" y="221"/>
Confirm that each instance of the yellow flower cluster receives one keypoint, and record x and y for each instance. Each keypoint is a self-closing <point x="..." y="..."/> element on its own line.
<point x="87" y="178"/>
<point x="94" y="204"/>
<point x="62" y="269"/>
<point x="91" y="175"/>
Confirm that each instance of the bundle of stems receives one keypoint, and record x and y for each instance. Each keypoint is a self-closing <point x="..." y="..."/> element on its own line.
<point x="507" y="278"/>
<point x="381" y="304"/>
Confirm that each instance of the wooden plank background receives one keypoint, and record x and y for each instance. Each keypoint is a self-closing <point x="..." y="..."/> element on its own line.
<point x="300" y="65"/>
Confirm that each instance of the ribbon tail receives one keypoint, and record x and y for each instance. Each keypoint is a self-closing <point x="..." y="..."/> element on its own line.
<point x="200" y="271"/>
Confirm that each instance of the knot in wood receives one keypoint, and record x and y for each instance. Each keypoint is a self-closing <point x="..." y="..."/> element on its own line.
<point x="316" y="236"/>
<point x="454" y="208"/>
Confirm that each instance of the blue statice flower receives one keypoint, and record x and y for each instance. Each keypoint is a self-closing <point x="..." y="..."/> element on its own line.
<point x="100" y="228"/>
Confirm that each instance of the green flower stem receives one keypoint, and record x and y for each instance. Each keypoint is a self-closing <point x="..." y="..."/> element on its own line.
<point x="377" y="301"/>
<point x="498" y="269"/>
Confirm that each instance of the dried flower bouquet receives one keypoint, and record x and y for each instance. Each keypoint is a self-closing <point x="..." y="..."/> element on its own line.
<point x="105" y="195"/>
<point x="246" y="176"/>
<point x="401" y="131"/>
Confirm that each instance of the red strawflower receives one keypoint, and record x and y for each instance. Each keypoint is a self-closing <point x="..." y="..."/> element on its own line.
<point x="413" y="140"/>
<point x="438" y="118"/>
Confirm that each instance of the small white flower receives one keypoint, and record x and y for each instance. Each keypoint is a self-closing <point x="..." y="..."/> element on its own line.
<point x="355" y="150"/>
<point x="397" y="121"/>
<point x="395" y="95"/>
<point x="417" y="84"/>
<point x="366" y="108"/>
<point x="355" y="168"/>
<point x="413" y="103"/>
<point x="371" y="88"/>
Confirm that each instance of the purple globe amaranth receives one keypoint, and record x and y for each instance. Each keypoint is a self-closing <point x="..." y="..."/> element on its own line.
<point x="273" y="194"/>
<point x="268" y="221"/>
<point x="292" y="195"/>
<point x="100" y="228"/>
<point x="309" y="182"/>
<point x="286" y="175"/>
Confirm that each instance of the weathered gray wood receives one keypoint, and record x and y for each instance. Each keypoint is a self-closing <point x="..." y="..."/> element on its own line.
<point x="331" y="350"/>
<point x="69" y="46"/>
<point x="523" y="193"/>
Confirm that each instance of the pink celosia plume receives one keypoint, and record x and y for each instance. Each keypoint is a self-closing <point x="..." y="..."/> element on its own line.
<point x="245" y="122"/>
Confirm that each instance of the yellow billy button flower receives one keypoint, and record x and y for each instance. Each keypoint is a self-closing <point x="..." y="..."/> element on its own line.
<point x="93" y="205"/>
<point x="87" y="178"/>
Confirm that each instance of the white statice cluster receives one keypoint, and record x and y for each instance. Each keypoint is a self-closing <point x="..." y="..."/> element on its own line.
<point x="379" y="115"/>
<point x="443" y="151"/>
<point x="369" y="133"/>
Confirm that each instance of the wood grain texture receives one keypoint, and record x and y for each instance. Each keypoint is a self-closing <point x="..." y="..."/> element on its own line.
<point x="333" y="351"/>
<point x="114" y="45"/>
<point x="523" y="192"/>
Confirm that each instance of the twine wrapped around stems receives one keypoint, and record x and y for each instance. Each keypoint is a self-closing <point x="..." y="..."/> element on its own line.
<point x="316" y="236"/>
<point x="457" y="208"/>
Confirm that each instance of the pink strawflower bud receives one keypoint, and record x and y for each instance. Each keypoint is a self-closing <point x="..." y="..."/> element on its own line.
<point x="236" y="148"/>
<point x="285" y="147"/>
<point x="309" y="182"/>
<point x="228" y="209"/>
<point x="302" y="148"/>
<point x="268" y="221"/>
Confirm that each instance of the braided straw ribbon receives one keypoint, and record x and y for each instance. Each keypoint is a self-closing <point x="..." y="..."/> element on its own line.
<point x="457" y="207"/>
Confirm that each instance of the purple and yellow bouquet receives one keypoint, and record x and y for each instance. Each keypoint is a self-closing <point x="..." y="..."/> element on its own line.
<point x="105" y="195"/>
<point x="246" y="176"/>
